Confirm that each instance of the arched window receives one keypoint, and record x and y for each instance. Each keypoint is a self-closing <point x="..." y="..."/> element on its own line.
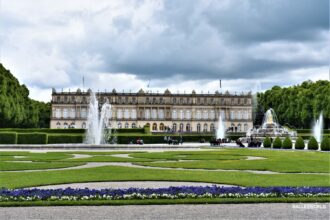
<point x="198" y="128"/>
<point x="181" y="127"/>
<point x="72" y="125"/>
<point x="174" y="127"/>
<point x="188" y="127"/>
<point x="58" y="124"/>
<point x="154" y="126"/>
<point x="212" y="129"/>
<point x="126" y="125"/>
<point x="65" y="125"/>
<point x="245" y="127"/>
<point x="133" y="125"/>
<point x="83" y="126"/>
<point x="119" y="125"/>
<point x="161" y="127"/>
<point x="205" y="127"/>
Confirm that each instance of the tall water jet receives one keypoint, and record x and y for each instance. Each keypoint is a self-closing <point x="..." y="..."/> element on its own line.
<point x="317" y="129"/>
<point x="221" y="131"/>
<point x="97" y="121"/>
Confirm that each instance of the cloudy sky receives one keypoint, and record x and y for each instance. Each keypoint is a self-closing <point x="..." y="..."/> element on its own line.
<point x="176" y="44"/>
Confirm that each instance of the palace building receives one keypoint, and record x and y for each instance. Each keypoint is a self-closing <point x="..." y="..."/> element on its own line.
<point x="166" y="111"/>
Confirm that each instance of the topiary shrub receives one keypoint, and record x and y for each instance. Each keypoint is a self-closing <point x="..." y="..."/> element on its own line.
<point x="325" y="145"/>
<point x="32" y="138"/>
<point x="8" y="138"/>
<point x="277" y="143"/>
<point x="300" y="144"/>
<point x="267" y="142"/>
<point x="312" y="144"/>
<point x="287" y="143"/>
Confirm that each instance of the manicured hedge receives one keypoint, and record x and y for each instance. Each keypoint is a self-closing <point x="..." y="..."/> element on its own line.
<point x="287" y="143"/>
<point x="307" y="131"/>
<point x="31" y="138"/>
<point x="325" y="145"/>
<point x="312" y="144"/>
<point x="65" y="139"/>
<point x="300" y="144"/>
<point x="43" y="130"/>
<point x="8" y="138"/>
<point x="277" y="143"/>
<point x="267" y="142"/>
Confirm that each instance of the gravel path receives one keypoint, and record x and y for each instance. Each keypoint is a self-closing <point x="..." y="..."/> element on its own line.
<point x="192" y="212"/>
<point x="128" y="184"/>
<point x="128" y="164"/>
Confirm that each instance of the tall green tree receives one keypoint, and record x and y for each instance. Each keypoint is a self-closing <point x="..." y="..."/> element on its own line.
<point x="298" y="106"/>
<point x="16" y="108"/>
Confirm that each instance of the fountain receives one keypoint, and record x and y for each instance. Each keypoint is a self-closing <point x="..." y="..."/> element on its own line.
<point x="221" y="129"/>
<point x="270" y="128"/>
<point x="97" y="121"/>
<point x="317" y="129"/>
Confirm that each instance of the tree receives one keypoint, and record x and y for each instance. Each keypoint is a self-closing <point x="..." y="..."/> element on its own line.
<point x="277" y="143"/>
<point x="300" y="144"/>
<point x="325" y="145"/>
<point x="267" y="142"/>
<point x="312" y="144"/>
<point x="287" y="143"/>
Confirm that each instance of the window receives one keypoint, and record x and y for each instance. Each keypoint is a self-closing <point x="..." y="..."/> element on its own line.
<point x="239" y="128"/>
<point x="174" y="100"/>
<point x="198" y="114"/>
<point x="65" y="125"/>
<point x="181" y="114"/>
<point x="119" y="113"/>
<point x="161" y="113"/>
<point x="133" y="125"/>
<point x="126" y="113"/>
<point x="133" y="114"/>
<point x="161" y="127"/>
<point x="198" y="128"/>
<point x="147" y="113"/>
<point x="188" y="114"/>
<point x="188" y="127"/>
<point x="58" y="113"/>
<point x="223" y="114"/>
<point x="174" y="127"/>
<point x="239" y="115"/>
<point x="83" y="126"/>
<point x="83" y="113"/>
<point x="58" y="124"/>
<point x="181" y="127"/>
<point x="245" y="127"/>
<point x="154" y="113"/>
<point x="154" y="126"/>
<point x="126" y="125"/>
<point x="72" y="125"/>
<point x="72" y="113"/>
<point x="205" y="127"/>
<point x="65" y="113"/>
<point x="212" y="114"/>
<point x="119" y="125"/>
<point x="232" y="114"/>
<point x="205" y="114"/>
<point x="212" y="129"/>
<point x="174" y="114"/>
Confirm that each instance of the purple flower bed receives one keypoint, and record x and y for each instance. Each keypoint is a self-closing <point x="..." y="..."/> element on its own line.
<point x="161" y="193"/>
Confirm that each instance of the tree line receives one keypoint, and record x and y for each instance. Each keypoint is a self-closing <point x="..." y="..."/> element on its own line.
<point x="17" y="110"/>
<point x="297" y="106"/>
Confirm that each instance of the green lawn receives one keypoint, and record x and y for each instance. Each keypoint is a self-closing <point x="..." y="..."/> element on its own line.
<point x="291" y="164"/>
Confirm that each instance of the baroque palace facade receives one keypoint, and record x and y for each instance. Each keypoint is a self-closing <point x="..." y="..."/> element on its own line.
<point x="162" y="111"/>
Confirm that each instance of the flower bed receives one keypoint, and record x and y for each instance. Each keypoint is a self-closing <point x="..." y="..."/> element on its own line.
<point x="184" y="192"/>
